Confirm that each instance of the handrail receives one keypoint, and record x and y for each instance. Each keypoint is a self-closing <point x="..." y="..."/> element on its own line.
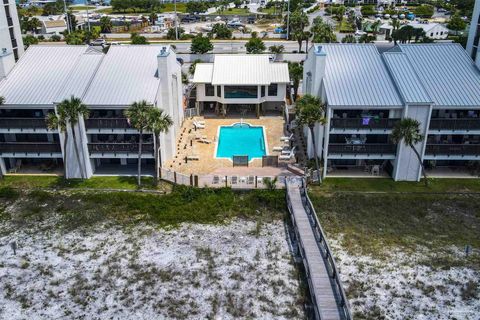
<point x="454" y="124"/>
<point x="358" y="123"/>
<point x="453" y="149"/>
<point x="365" y="148"/>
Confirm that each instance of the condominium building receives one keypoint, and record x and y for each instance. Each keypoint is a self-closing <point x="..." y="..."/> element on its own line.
<point x="367" y="93"/>
<point x="473" y="44"/>
<point x="240" y="84"/>
<point x="11" y="42"/>
<point x="107" y="84"/>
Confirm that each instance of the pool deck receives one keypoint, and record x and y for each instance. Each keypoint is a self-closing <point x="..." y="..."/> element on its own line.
<point x="207" y="163"/>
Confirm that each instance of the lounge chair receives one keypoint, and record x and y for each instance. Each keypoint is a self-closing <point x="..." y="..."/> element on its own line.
<point x="200" y="122"/>
<point x="287" y="157"/>
<point x="203" y="140"/>
<point x="278" y="148"/>
<point x="288" y="151"/>
<point x="216" y="180"/>
<point x="199" y="136"/>
<point x="198" y="125"/>
<point x="289" y="138"/>
<point x="193" y="157"/>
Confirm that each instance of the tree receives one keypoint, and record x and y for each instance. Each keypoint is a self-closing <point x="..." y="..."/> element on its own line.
<point x="193" y="7"/>
<point x="105" y="24"/>
<point x="138" y="39"/>
<point x="408" y="131"/>
<point x="201" y="44"/>
<point x="158" y="122"/>
<point x="138" y="117"/>
<point x="295" y="70"/>
<point x="349" y="38"/>
<point x="71" y="21"/>
<point x="368" y="10"/>
<point x="2" y="100"/>
<point x="376" y="26"/>
<point x="276" y="49"/>
<point x="322" y="32"/>
<point x="310" y="111"/>
<point x="404" y="34"/>
<point x="456" y="23"/>
<point x="298" y="23"/>
<point x="172" y="33"/>
<point x="396" y="25"/>
<point x="255" y="46"/>
<point x="192" y="67"/>
<point x="220" y="31"/>
<point x="366" y="38"/>
<point x="28" y="40"/>
<point x="69" y="112"/>
<point x="75" y="38"/>
<point x="34" y="24"/>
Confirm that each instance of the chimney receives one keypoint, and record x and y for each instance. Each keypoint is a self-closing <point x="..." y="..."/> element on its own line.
<point x="314" y="71"/>
<point x="7" y="61"/>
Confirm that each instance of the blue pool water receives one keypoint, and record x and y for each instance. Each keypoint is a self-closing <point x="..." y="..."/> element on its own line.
<point x="241" y="140"/>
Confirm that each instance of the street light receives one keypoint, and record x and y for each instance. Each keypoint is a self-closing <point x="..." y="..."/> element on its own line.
<point x="88" y="16"/>
<point x="66" y="15"/>
<point x="176" y="18"/>
<point x="288" y="20"/>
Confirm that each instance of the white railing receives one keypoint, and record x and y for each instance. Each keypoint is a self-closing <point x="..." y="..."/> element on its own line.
<point x="191" y="112"/>
<point x="223" y="181"/>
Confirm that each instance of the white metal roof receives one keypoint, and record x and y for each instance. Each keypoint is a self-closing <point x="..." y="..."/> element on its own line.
<point x="427" y="26"/>
<point x="203" y="73"/>
<point x="249" y="69"/>
<point x="126" y="74"/>
<point x="447" y="72"/>
<point x="355" y="75"/>
<point x="406" y="79"/>
<point x="40" y="73"/>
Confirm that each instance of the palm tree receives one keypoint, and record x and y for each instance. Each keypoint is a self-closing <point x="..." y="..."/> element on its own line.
<point x="106" y="24"/>
<point x="310" y="111"/>
<point x="396" y="25"/>
<point x="138" y="117"/>
<point x="59" y="121"/>
<point x="408" y="131"/>
<point x="158" y="122"/>
<point x="73" y="109"/>
<point x="295" y="70"/>
<point x="2" y="100"/>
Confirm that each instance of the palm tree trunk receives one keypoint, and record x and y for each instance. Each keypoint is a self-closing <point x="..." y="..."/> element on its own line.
<point x="315" y="155"/>
<point x="139" y="174"/>
<point x="299" y="46"/>
<point x="157" y="159"/>
<point x="65" y="156"/>
<point x="421" y="164"/>
<point x="77" y="154"/>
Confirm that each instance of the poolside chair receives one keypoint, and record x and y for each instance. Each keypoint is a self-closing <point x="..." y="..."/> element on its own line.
<point x="193" y="157"/>
<point x="289" y="138"/>
<point x="278" y="148"/>
<point x="287" y="157"/>
<point x="198" y="125"/>
<point x="216" y="180"/>
<point x="287" y="151"/>
<point x="200" y="122"/>
<point x="204" y="140"/>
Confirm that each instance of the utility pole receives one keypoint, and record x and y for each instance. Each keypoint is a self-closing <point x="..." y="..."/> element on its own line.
<point x="176" y="18"/>
<point x="66" y="16"/>
<point x="288" y="20"/>
<point x="88" y="16"/>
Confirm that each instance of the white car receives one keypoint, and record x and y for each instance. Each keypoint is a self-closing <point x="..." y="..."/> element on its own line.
<point x="98" y="42"/>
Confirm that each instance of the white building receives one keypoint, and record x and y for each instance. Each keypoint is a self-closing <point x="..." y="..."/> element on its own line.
<point x="236" y="84"/>
<point x="10" y="33"/>
<point x="473" y="43"/>
<point x="53" y="26"/>
<point x="367" y="93"/>
<point x="107" y="84"/>
<point x="432" y="30"/>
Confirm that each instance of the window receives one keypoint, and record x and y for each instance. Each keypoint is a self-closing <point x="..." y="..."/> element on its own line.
<point x="240" y="92"/>
<point x="262" y="91"/>
<point x="431" y="34"/>
<point x="272" y="89"/>
<point x="209" y="90"/>
<point x="219" y="91"/>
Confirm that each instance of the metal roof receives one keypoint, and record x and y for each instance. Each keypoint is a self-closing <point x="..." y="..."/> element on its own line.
<point x="447" y="72"/>
<point x="406" y="79"/>
<point x="249" y="69"/>
<point x="203" y="73"/>
<point x="39" y="74"/>
<point x="355" y="75"/>
<point x="126" y="74"/>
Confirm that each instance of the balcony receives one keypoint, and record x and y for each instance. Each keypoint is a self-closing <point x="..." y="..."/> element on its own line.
<point x="147" y="148"/>
<point x="363" y="124"/>
<point x="453" y="150"/>
<point x="365" y="149"/>
<point x="10" y="21"/>
<point x="107" y="123"/>
<point x="463" y="124"/>
<point x="14" y="43"/>
<point x="30" y="147"/>
<point x="23" y="123"/>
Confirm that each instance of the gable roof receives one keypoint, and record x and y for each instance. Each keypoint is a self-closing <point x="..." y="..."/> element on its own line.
<point x="355" y="75"/>
<point x="447" y="72"/>
<point x="242" y="69"/>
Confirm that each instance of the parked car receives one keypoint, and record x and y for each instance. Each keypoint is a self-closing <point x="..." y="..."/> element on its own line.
<point x="98" y="42"/>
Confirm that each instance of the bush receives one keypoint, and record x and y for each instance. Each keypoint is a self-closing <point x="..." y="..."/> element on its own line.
<point x="8" y="193"/>
<point x="424" y="11"/>
<point x="368" y="11"/>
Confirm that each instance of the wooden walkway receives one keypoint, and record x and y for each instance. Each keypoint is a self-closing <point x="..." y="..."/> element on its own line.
<point x="328" y="298"/>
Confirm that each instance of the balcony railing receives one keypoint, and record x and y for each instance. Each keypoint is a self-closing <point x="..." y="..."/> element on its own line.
<point x="14" y="43"/>
<point x="374" y="148"/>
<point x="30" y="147"/>
<point x="453" y="149"/>
<point x="9" y="21"/>
<point x="455" y="124"/>
<point x="119" y="147"/>
<point x="360" y="124"/>
<point x="23" y="123"/>
<point x="5" y="1"/>
<point x="107" y="123"/>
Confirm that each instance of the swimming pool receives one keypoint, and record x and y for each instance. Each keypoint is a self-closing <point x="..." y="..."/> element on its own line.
<point x="241" y="140"/>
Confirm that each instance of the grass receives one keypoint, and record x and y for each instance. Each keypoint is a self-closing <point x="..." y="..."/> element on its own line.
<point x="114" y="182"/>
<point x="81" y="8"/>
<point x="388" y="185"/>
<point x="232" y="11"/>
<point x="373" y="224"/>
<point x="345" y="27"/>
<point x="167" y="7"/>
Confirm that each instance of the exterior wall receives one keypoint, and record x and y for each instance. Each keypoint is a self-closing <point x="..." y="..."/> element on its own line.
<point x="438" y="32"/>
<point x="407" y="167"/>
<point x="473" y="44"/>
<point x="5" y="34"/>
<point x="280" y="97"/>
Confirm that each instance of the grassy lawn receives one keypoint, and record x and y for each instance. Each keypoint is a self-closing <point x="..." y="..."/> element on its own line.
<point x="374" y="224"/>
<point x="345" y="27"/>
<point x="114" y="182"/>
<point x="80" y="8"/>
<point x="388" y="185"/>
<point x="167" y="7"/>
<point x="232" y="11"/>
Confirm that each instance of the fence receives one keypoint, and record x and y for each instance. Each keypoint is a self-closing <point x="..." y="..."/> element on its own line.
<point x="223" y="181"/>
<point x="191" y="112"/>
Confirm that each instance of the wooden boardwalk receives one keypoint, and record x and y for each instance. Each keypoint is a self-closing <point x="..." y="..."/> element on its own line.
<point x="328" y="297"/>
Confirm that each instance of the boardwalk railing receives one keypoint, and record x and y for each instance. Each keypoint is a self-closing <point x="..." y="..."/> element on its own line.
<point x="222" y="181"/>
<point x="326" y="253"/>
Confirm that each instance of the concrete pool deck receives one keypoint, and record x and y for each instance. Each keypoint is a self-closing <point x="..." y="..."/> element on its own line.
<point x="207" y="163"/>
